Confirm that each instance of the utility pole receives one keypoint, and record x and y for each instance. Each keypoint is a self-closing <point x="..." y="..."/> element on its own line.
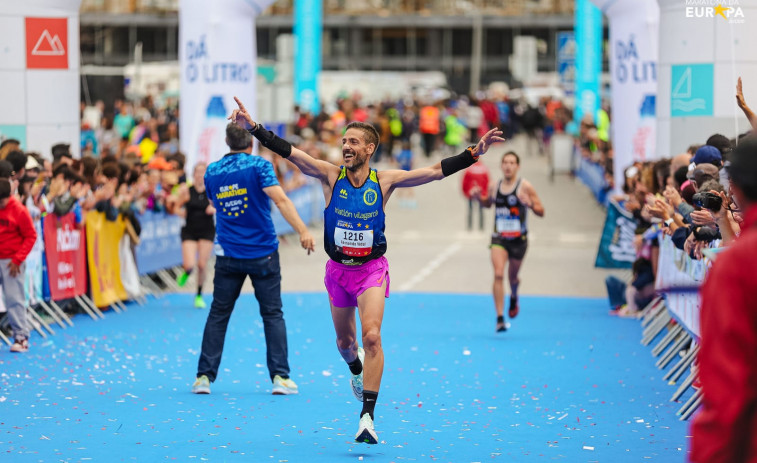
<point x="478" y="38"/>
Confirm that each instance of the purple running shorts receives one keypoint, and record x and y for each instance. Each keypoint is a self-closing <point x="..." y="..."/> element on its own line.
<point x="345" y="283"/>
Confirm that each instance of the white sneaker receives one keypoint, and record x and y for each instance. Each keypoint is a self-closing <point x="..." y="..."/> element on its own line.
<point x="201" y="385"/>
<point x="22" y="345"/>
<point x="357" y="380"/>
<point x="365" y="432"/>
<point x="283" y="386"/>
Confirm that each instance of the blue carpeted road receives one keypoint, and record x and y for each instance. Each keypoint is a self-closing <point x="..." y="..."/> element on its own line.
<point x="567" y="382"/>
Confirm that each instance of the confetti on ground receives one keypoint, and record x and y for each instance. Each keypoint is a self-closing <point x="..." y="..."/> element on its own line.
<point x="121" y="386"/>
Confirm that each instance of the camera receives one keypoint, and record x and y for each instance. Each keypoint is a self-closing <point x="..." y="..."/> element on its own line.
<point x="708" y="200"/>
<point x="706" y="234"/>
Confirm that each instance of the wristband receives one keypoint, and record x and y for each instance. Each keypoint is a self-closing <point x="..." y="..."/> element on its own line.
<point x="271" y="141"/>
<point x="459" y="162"/>
<point x="668" y="222"/>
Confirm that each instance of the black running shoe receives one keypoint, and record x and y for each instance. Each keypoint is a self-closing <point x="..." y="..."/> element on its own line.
<point x="502" y="325"/>
<point x="514" y="307"/>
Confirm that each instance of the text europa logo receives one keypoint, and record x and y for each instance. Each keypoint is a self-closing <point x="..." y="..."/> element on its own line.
<point x="725" y="10"/>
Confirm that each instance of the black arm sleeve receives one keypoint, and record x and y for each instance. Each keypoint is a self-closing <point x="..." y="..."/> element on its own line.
<point x="458" y="162"/>
<point x="271" y="141"/>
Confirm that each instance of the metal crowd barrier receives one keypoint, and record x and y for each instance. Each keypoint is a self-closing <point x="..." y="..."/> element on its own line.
<point x="675" y="342"/>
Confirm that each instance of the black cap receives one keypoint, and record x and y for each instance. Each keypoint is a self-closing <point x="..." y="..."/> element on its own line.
<point x="6" y="169"/>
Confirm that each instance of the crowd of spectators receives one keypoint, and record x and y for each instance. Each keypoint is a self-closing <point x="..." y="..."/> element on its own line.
<point x="666" y="197"/>
<point x="687" y="197"/>
<point x="131" y="160"/>
<point x="441" y="126"/>
<point x="109" y="184"/>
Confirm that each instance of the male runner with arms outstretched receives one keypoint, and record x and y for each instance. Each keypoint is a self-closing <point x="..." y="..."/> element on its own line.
<point x="357" y="273"/>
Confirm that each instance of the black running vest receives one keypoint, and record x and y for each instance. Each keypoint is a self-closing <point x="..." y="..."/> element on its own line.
<point x="509" y="214"/>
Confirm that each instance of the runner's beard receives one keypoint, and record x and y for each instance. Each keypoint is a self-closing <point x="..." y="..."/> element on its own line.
<point x="357" y="163"/>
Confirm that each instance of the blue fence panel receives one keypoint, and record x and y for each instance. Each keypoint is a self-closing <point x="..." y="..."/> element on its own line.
<point x="160" y="242"/>
<point x="593" y="176"/>
<point x="616" y="249"/>
<point x="308" y="200"/>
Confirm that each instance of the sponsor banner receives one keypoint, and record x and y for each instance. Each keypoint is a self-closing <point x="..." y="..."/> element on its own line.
<point x="692" y="90"/>
<point x="634" y="37"/>
<point x="677" y="270"/>
<point x="103" y="237"/>
<point x="588" y="36"/>
<point x="308" y="19"/>
<point x="40" y="73"/>
<point x="65" y="251"/>
<point x="46" y="296"/>
<point x="159" y="242"/>
<point x="616" y="248"/>
<point x="634" y="33"/>
<point x="33" y="274"/>
<point x="566" y="60"/>
<point x="129" y="273"/>
<point x="217" y="63"/>
<point x="47" y="43"/>
<point x="685" y="308"/>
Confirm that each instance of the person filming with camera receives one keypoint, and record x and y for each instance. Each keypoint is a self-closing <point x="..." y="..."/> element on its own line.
<point x="725" y="428"/>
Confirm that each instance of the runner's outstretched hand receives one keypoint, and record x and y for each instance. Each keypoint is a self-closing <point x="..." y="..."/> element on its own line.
<point x="241" y="117"/>
<point x="491" y="137"/>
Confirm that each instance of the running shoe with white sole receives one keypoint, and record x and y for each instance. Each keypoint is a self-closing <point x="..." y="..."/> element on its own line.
<point x="283" y="386"/>
<point x="357" y="380"/>
<point x="201" y="385"/>
<point x="22" y="345"/>
<point x="365" y="433"/>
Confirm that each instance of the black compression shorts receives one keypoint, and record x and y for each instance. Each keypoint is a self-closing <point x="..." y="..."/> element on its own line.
<point x="516" y="248"/>
<point x="194" y="234"/>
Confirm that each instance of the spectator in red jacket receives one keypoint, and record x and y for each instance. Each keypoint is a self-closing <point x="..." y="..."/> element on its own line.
<point x="726" y="429"/>
<point x="491" y="117"/>
<point x="17" y="237"/>
<point x="475" y="179"/>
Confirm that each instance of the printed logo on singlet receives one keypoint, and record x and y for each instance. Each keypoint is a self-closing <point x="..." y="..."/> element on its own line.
<point x="343" y="193"/>
<point x="512" y="200"/>
<point x="230" y="201"/>
<point x="370" y="196"/>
